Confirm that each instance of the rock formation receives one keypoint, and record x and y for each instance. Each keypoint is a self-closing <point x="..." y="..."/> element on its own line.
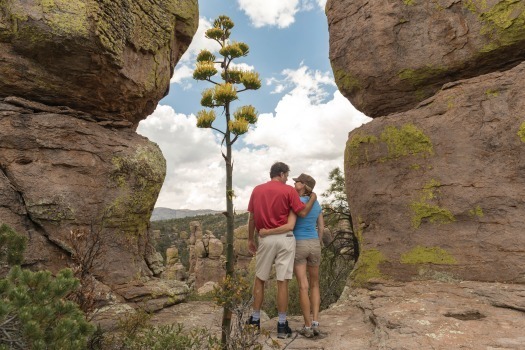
<point x="175" y="270"/>
<point x="435" y="188"/>
<point x="109" y="59"/>
<point x="77" y="77"/>
<point x="206" y="260"/>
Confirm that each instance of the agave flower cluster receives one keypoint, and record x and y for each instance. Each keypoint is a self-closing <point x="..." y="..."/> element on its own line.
<point x="234" y="80"/>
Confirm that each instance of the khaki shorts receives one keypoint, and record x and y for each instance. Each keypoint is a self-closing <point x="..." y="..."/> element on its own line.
<point x="279" y="249"/>
<point x="308" y="251"/>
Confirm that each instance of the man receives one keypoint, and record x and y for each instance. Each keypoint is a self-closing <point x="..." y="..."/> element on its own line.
<point x="269" y="206"/>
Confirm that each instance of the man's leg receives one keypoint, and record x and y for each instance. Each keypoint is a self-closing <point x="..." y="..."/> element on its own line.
<point x="302" y="280"/>
<point x="258" y="294"/>
<point x="282" y="296"/>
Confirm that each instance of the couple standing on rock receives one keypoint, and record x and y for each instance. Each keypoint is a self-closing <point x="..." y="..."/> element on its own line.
<point x="285" y="219"/>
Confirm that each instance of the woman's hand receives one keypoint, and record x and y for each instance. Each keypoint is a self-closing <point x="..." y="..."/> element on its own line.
<point x="263" y="232"/>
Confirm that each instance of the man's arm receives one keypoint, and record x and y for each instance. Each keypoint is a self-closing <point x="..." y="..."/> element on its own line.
<point x="308" y="206"/>
<point x="292" y="218"/>
<point x="251" y="234"/>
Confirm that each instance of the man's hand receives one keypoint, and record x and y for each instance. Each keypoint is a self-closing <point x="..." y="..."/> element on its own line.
<point x="263" y="232"/>
<point x="252" y="248"/>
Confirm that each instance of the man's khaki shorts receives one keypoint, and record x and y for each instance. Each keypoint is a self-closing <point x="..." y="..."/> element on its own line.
<point x="278" y="249"/>
<point x="308" y="251"/>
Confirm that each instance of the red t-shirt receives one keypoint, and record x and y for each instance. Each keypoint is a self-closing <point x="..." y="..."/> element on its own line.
<point x="271" y="202"/>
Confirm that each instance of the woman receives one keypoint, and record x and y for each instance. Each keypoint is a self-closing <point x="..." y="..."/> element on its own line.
<point x="307" y="254"/>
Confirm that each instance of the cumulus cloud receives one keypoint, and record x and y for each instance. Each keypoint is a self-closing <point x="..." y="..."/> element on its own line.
<point x="304" y="131"/>
<point x="278" y="13"/>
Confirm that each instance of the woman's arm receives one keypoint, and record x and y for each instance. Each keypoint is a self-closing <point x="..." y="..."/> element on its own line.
<point x="281" y="229"/>
<point x="320" y="227"/>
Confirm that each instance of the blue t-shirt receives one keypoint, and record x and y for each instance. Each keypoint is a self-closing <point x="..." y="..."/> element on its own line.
<point x="305" y="228"/>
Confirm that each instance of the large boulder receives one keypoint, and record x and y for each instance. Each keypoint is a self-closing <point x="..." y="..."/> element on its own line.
<point x="437" y="191"/>
<point x="387" y="56"/>
<point x="61" y="172"/>
<point x="108" y="58"/>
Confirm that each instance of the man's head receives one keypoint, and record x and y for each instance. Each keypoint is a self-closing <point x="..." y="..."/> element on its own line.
<point x="279" y="171"/>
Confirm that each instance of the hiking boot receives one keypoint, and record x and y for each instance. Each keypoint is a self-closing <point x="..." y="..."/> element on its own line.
<point x="283" y="331"/>
<point x="306" y="332"/>
<point x="315" y="329"/>
<point x="251" y="322"/>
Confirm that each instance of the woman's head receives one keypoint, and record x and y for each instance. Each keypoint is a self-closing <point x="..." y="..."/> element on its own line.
<point x="304" y="184"/>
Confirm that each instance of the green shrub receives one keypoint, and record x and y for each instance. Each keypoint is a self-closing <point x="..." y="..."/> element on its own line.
<point x="34" y="313"/>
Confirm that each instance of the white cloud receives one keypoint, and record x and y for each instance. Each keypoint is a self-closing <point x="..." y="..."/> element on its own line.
<point x="280" y="13"/>
<point x="303" y="82"/>
<point x="306" y="133"/>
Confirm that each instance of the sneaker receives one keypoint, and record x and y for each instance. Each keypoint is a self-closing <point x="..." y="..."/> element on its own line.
<point x="257" y="323"/>
<point x="315" y="329"/>
<point x="283" y="331"/>
<point x="306" y="332"/>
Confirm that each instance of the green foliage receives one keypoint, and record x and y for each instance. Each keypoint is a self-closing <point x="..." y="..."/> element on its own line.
<point x="333" y="274"/>
<point x="12" y="245"/>
<point x="33" y="310"/>
<point x="134" y="332"/>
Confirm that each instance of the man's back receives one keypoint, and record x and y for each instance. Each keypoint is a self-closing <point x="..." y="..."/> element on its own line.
<point x="271" y="203"/>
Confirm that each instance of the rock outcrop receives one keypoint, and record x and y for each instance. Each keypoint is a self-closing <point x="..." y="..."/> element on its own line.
<point x="387" y="56"/>
<point x="110" y="59"/>
<point x="436" y="189"/>
<point x="73" y="172"/>
<point x="413" y="315"/>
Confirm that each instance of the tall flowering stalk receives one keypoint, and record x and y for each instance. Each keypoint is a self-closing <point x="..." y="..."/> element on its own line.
<point x="224" y="92"/>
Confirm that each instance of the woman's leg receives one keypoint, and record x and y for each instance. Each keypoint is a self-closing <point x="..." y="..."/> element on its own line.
<point x="315" y="295"/>
<point x="302" y="280"/>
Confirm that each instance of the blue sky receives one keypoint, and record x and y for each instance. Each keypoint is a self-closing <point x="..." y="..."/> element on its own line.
<point x="303" y="119"/>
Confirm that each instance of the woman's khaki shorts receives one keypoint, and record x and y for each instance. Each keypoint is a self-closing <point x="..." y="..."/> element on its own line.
<point x="308" y="251"/>
<point x="279" y="249"/>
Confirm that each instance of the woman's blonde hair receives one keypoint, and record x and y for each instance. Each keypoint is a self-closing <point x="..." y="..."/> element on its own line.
<point x="307" y="190"/>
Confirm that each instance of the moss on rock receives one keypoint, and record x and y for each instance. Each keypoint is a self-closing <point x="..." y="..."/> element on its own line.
<point x="354" y="152"/>
<point x="503" y="21"/>
<point x="367" y="267"/>
<point x="425" y="211"/>
<point x="521" y="132"/>
<point x="406" y="140"/>
<point x="428" y="255"/>
<point x="139" y="179"/>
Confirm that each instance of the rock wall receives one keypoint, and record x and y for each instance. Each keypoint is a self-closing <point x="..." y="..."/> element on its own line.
<point x="77" y="77"/>
<point x="435" y="181"/>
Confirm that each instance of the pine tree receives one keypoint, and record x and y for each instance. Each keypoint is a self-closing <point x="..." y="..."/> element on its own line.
<point x="221" y="96"/>
<point x="34" y="313"/>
